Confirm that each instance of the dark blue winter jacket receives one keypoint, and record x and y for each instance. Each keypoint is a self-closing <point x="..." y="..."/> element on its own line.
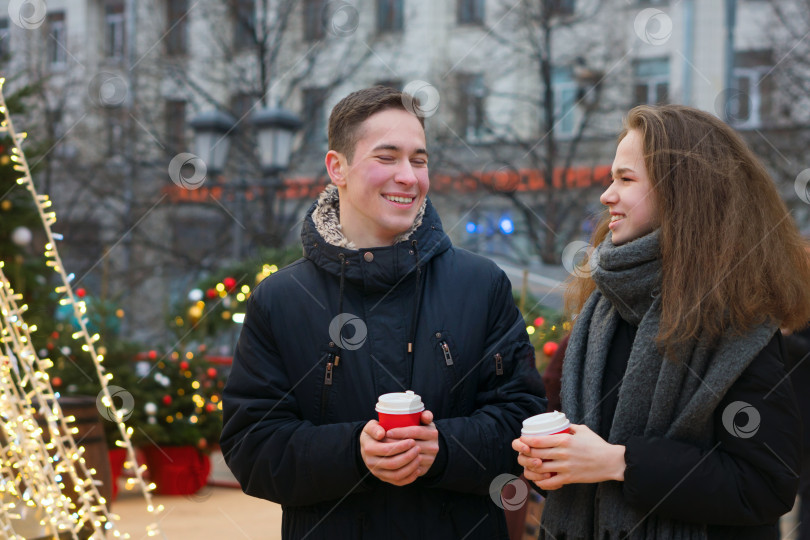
<point x="295" y="402"/>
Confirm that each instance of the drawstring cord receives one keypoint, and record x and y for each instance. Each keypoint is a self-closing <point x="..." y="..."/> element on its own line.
<point x="417" y="300"/>
<point x="342" y="258"/>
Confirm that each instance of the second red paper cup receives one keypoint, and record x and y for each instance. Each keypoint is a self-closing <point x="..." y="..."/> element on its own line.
<point x="399" y="409"/>
<point x="545" y="424"/>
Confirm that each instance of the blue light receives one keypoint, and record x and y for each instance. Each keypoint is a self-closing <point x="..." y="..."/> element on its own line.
<point x="471" y="227"/>
<point x="507" y="227"/>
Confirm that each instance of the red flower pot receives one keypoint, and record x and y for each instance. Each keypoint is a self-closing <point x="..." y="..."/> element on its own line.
<point x="117" y="458"/>
<point x="177" y="470"/>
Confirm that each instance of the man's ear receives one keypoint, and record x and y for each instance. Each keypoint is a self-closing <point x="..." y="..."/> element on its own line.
<point x="336" y="167"/>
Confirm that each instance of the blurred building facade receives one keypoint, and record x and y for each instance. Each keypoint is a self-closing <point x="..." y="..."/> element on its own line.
<point x="523" y="101"/>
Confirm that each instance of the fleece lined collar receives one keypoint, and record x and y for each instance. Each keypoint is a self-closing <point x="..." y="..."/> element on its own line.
<point x="327" y="220"/>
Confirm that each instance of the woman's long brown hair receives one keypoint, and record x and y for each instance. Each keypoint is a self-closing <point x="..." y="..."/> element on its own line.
<point x="731" y="255"/>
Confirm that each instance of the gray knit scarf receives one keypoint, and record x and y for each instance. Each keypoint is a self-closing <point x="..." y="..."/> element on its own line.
<point x="672" y="398"/>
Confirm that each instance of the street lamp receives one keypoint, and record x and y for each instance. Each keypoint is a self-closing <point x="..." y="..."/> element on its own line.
<point x="211" y="138"/>
<point x="276" y="129"/>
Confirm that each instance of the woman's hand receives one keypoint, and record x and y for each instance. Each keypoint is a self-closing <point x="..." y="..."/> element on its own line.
<point x="578" y="457"/>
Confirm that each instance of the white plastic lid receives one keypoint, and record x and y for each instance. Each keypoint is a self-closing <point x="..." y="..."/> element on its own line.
<point x="400" y="403"/>
<point x="545" y="424"/>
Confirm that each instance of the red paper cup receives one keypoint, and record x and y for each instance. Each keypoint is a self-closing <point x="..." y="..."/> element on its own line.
<point x="541" y="425"/>
<point x="545" y="424"/>
<point x="391" y="421"/>
<point x="399" y="409"/>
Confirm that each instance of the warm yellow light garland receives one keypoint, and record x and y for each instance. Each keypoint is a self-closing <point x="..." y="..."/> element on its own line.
<point x="36" y="384"/>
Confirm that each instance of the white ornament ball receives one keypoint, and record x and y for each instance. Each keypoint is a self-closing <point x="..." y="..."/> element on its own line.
<point x="21" y="236"/>
<point x="150" y="408"/>
<point x="195" y="295"/>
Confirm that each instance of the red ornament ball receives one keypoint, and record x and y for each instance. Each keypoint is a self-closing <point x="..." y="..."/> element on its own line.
<point x="211" y="293"/>
<point x="152" y="355"/>
<point x="56" y="381"/>
<point x="230" y="283"/>
<point x="550" y="348"/>
<point x="50" y="346"/>
<point x="167" y="399"/>
<point x="81" y="292"/>
<point x="183" y="365"/>
<point x="54" y="335"/>
<point x="212" y="372"/>
<point x="210" y="407"/>
<point x="539" y="321"/>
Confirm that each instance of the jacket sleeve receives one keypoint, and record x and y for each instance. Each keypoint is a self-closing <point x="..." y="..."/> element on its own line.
<point x="273" y="453"/>
<point x="478" y="447"/>
<point x="749" y="478"/>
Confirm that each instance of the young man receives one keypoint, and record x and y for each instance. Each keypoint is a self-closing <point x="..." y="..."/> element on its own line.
<point x="381" y="302"/>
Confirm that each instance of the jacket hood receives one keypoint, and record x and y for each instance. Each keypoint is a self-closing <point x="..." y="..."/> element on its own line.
<point x="327" y="247"/>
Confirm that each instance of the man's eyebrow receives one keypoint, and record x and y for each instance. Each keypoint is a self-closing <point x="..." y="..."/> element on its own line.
<point x="397" y="148"/>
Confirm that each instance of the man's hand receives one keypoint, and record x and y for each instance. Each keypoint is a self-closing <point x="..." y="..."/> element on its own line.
<point x="581" y="457"/>
<point x="392" y="461"/>
<point x="426" y="438"/>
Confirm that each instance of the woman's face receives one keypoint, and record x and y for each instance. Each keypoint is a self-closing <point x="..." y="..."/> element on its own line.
<point x="629" y="197"/>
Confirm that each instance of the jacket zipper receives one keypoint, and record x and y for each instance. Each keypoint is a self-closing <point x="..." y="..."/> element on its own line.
<point x="498" y="364"/>
<point x="450" y="369"/>
<point x="448" y="358"/>
<point x="327" y="383"/>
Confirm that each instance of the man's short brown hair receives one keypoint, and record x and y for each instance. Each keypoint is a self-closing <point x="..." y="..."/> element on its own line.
<point x="354" y="109"/>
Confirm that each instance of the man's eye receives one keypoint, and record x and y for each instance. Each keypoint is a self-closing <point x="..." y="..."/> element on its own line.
<point x="419" y="162"/>
<point x="386" y="158"/>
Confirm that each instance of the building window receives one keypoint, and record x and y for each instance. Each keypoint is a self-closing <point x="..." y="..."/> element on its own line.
<point x="314" y="19"/>
<point x="471" y="11"/>
<point x="57" y="38"/>
<point x="651" y="81"/>
<point x="562" y="7"/>
<point x="175" y="119"/>
<point x="115" y="120"/>
<point x="5" y="37"/>
<point x="114" y="29"/>
<point x="565" y="96"/>
<point x="313" y="102"/>
<point x="244" y="23"/>
<point x="744" y="109"/>
<point x="177" y="34"/>
<point x="390" y="15"/>
<point x="471" y="112"/>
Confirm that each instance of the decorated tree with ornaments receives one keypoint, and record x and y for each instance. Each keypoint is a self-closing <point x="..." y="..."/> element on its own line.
<point x="178" y="400"/>
<point x="546" y="328"/>
<point x="213" y="311"/>
<point x="21" y="230"/>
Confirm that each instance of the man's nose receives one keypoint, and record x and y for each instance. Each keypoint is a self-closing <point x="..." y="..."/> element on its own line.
<point x="405" y="174"/>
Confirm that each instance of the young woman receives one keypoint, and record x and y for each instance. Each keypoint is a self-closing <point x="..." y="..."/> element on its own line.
<point x="684" y="423"/>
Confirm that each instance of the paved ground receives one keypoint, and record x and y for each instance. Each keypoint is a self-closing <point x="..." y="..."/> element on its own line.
<point x="212" y="513"/>
<point x="227" y="513"/>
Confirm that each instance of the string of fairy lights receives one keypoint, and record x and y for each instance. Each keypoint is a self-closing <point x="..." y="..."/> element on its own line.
<point x="42" y="468"/>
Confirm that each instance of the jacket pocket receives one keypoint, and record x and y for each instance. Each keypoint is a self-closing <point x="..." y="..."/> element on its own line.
<point x="446" y="355"/>
<point x="325" y="379"/>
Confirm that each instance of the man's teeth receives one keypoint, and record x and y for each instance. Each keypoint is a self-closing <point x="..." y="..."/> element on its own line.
<point x="615" y="218"/>
<point x="402" y="200"/>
